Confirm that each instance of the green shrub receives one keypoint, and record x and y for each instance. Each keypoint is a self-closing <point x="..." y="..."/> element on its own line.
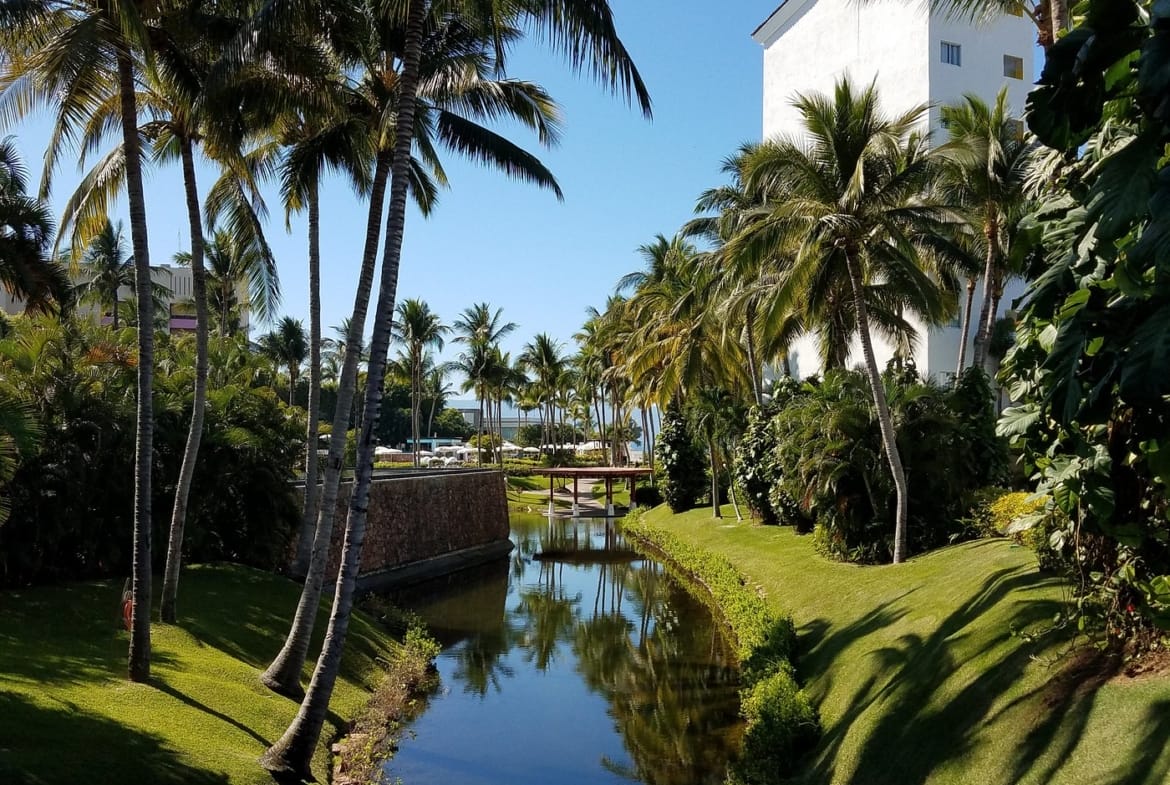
<point x="755" y="463"/>
<point x="647" y="496"/>
<point x="832" y="470"/>
<point x="781" y="727"/>
<point x="684" y="471"/>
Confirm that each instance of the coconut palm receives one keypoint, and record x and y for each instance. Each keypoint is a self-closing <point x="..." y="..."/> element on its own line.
<point x="987" y="159"/>
<point x="457" y="88"/>
<point x="287" y="346"/>
<point x="70" y="57"/>
<point x="418" y="328"/>
<point x="241" y="278"/>
<point x="849" y="209"/>
<point x="25" y="229"/>
<point x="543" y="356"/>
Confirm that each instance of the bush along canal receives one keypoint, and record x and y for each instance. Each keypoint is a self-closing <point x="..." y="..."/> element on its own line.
<point x="576" y="661"/>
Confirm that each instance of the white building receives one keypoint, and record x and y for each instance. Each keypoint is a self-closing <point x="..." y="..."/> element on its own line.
<point x="178" y="280"/>
<point x="914" y="57"/>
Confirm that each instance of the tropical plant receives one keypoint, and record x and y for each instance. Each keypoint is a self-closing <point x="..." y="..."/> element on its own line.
<point x="681" y="462"/>
<point x="25" y="230"/>
<point x="1090" y="366"/>
<point x="986" y="163"/>
<point x="850" y="207"/>
<point x="418" y="328"/>
<point x="287" y="346"/>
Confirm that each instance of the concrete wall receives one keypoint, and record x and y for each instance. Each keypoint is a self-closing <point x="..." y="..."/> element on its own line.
<point x="422" y="524"/>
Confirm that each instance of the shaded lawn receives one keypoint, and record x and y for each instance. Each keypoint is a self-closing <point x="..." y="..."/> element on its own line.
<point x="919" y="678"/>
<point x="68" y="714"/>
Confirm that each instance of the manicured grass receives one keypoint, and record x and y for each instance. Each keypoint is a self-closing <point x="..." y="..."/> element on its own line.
<point x="621" y="494"/>
<point x="919" y="678"/>
<point x="68" y="715"/>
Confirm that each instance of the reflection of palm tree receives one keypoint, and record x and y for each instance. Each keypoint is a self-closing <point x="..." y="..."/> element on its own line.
<point x="550" y="619"/>
<point x="481" y="662"/>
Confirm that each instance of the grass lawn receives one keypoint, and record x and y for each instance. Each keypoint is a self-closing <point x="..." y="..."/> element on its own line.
<point x="68" y="714"/>
<point x="621" y="494"/>
<point x="919" y="679"/>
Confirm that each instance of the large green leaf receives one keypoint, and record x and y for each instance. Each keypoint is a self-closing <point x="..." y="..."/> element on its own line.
<point x="1125" y="183"/>
<point x="1146" y="376"/>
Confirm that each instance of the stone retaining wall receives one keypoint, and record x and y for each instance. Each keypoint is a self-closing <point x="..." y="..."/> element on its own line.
<point x="424" y="517"/>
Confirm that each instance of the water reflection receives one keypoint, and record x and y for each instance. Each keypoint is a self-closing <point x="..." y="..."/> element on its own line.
<point x="572" y="662"/>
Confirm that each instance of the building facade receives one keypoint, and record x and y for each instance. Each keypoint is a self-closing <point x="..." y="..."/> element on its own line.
<point x="914" y="57"/>
<point x="176" y="280"/>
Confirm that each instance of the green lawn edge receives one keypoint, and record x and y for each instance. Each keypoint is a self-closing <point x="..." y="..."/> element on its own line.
<point x="919" y="678"/>
<point x="68" y="714"/>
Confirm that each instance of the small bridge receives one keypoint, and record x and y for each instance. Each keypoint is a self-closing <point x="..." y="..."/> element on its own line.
<point x="606" y="473"/>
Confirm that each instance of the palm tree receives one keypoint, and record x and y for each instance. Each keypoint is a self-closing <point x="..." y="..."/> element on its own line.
<point x="987" y="159"/>
<point x="109" y="268"/>
<point x="1051" y="17"/>
<point x="482" y="330"/>
<point x="419" y="328"/>
<point x="457" y="80"/>
<point x="849" y="209"/>
<point x="287" y="346"/>
<point x="25" y="228"/>
<point x="70" y="56"/>
<point x="585" y="31"/>
<point x="543" y="356"/>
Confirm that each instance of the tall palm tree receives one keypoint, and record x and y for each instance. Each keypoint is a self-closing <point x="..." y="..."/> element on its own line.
<point x="481" y="329"/>
<point x="69" y="57"/>
<point x="26" y="227"/>
<point x="850" y="206"/>
<point x="987" y="159"/>
<point x="544" y="357"/>
<point x="287" y="346"/>
<point x="418" y="328"/>
<point x="585" y="31"/>
<point x="109" y="269"/>
<point x="458" y="89"/>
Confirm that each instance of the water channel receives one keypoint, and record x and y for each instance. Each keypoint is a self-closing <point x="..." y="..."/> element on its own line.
<point x="575" y="662"/>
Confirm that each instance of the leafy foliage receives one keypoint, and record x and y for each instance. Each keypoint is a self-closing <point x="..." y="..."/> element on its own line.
<point x="70" y="495"/>
<point x="1091" y="365"/>
<point x="831" y="469"/>
<point x="683" y="468"/>
<point x="755" y="463"/>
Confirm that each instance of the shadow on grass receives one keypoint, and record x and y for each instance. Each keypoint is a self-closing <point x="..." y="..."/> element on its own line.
<point x="43" y="748"/>
<point x="930" y="716"/>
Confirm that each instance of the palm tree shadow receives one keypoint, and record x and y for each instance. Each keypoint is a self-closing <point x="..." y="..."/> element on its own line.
<point x="916" y="732"/>
<point x="163" y="687"/>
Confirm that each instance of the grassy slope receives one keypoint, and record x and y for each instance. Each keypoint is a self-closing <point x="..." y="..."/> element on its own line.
<point x="68" y="714"/>
<point x="919" y="679"/>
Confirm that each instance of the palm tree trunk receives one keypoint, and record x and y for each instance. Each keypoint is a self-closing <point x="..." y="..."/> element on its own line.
<point x="115" y="308"/>
<point x="753" y="370"/>
<point x="139" y="656"/>
<point x="966" y="328"/>
<point x="284" y="674"/>
<point x="715" y="512"/>
<point x="1058" y="9"/>
<point x="415" y="402"/>
<point x="731" y="492"/>
<point x="195" y="433"/>
<point x="309" y="508"/>
<point x="294" y="751"/>
<point x="983" y="334"/>
<point x="292" y="384"/>
<point x="885" y="420"/>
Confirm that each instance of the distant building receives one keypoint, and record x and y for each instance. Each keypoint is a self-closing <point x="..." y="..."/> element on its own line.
<point x="177" y="280"/>
<point x="914" y="57"/>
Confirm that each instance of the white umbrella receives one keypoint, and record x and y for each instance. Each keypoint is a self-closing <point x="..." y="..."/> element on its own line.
<point x="448" y="448"/>
<point x="425" y="454"/>
<point x="531" y="449"/>
<point x="386" y="452"/>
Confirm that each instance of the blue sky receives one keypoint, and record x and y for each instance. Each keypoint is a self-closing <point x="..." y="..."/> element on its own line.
<point x="491" y="239"/>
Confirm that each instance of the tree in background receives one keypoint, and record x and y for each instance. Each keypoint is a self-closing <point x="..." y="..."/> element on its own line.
<point x="25" y="229"/>
<point x="418" y="328"/>
<point x="287" y="346"/>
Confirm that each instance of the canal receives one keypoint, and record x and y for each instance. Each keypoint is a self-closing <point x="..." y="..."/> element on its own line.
<point x="575" y="661"/>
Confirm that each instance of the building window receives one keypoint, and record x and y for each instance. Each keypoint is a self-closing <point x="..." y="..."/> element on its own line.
<point x="1013" y="67"/>
<point x="952" y="54"/>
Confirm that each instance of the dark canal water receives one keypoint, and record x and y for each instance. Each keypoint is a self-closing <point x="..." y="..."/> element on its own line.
<point x="591" y="667"/>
